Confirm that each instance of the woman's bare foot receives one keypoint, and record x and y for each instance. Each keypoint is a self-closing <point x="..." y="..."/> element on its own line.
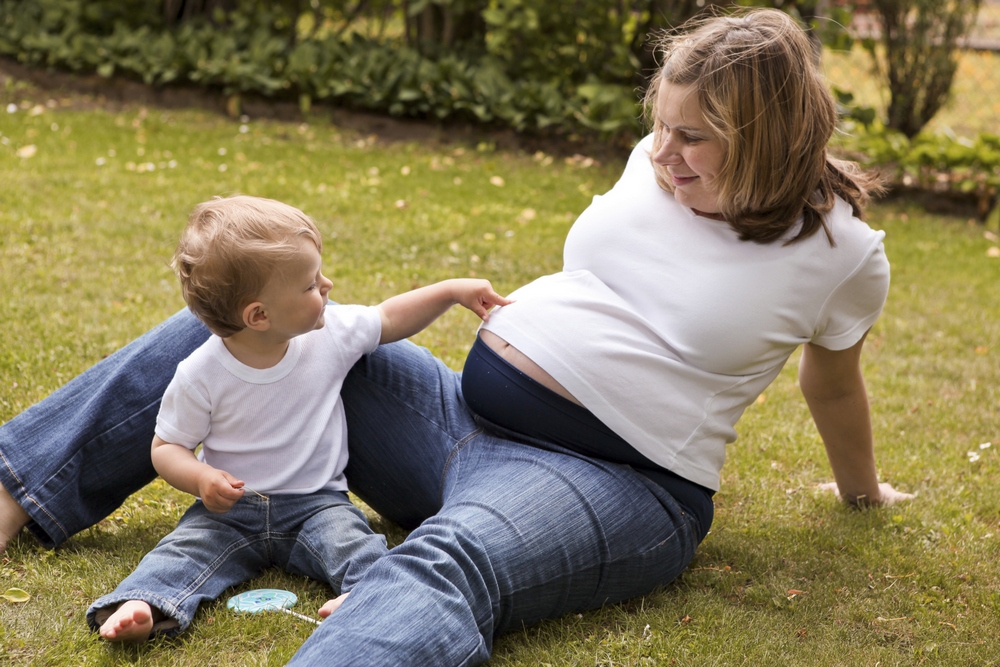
<point x="131" y="622"/>
<point x="332" y="605"/>
<point x="12" y="518"/>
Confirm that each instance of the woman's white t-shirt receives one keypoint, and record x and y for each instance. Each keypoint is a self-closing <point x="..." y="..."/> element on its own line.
<point x="666" y="326"/>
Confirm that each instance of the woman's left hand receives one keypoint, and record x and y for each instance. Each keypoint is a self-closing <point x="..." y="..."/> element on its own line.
<point x="887" y="496"/>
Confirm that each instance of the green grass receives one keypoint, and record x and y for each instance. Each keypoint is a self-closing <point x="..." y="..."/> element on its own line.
<point x="84" y="251"/>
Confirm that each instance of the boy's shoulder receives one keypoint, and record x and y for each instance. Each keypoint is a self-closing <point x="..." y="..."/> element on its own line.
<point x="350" y="316"/>
<point x="351" y="326"/>
<point x="202" y="359"/>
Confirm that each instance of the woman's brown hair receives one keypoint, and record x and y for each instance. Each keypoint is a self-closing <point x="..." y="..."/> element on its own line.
<point x="761" y="92"/>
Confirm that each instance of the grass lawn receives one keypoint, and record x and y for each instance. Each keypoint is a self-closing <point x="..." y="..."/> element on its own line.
<point x="89" y="219"/>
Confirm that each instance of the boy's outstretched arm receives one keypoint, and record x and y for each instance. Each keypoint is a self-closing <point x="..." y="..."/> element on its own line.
<point x="407" y="314"/>
<point x="182" y="470"/>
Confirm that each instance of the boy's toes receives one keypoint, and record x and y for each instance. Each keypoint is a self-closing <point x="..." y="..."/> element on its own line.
<point x="332" y="605"/>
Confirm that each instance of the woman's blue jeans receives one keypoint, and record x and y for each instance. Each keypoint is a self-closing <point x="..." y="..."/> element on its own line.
<point x="505" y="532"/>
<point x="319" y="535"/>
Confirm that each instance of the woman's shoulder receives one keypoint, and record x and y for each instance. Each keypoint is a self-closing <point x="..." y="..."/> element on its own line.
<point x="848" y="230"/>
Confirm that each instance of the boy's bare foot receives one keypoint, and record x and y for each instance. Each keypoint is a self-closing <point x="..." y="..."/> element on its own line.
<point x="131" y="622"/>
<point x="12" y="518"/>
<point x="332" y="605"/>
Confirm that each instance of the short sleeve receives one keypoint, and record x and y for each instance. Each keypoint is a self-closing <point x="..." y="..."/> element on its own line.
<point x="356" y="329"/>
<point x="856" y="303"/>
<point x="184" y="415"/>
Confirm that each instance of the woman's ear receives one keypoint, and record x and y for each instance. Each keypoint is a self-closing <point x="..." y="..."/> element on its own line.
<point x="255" y="317"/>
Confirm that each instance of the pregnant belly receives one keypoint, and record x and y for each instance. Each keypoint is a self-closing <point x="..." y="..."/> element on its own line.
<point x="518" y="360"/>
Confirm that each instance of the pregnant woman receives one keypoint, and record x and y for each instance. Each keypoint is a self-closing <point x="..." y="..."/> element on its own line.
<point x="572" y="464"/>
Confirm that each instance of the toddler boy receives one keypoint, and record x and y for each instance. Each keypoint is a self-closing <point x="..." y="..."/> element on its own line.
<point x="262" y="397"/>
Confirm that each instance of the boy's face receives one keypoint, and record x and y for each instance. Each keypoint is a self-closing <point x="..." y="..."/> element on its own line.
<point x="295" y="296"/>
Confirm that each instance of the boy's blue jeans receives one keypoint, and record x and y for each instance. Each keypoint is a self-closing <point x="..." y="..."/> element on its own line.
<point x="505" y="532"/>
<point x="319" y="535"/>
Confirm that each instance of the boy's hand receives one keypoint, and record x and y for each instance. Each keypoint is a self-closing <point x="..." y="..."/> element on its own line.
<point x="478" y="296"/>
<point x="219" y="490"/>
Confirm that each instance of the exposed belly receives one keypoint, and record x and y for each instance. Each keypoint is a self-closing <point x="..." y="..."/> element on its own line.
<point x="518" y="360"/>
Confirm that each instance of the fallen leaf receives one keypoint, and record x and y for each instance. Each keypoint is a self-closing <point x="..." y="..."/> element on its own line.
<point x="527" y="215"/>
<point x="27" y="151"/>
<point x="792" y="592"/>
<point x="498" y="181"/>
<point x="994" y="251"/>
<point x="16" y="595"/>
<point x="982" y="349"/>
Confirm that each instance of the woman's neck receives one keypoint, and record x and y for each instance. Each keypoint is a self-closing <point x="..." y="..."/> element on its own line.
<point x="710" y="216"/>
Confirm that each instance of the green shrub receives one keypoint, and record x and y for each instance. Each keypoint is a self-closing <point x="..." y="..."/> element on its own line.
<point x="916" y="54"/>
<point x="247" y="51"/>
<point x="932" y="162"/>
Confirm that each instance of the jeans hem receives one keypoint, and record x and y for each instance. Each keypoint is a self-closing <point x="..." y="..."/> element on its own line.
<point x="31" y="506"/>
<point x="174" y="623"/>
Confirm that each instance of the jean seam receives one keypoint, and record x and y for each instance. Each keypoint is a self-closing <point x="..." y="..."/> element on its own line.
<point x="30" y="498"/>
<point x="214" y="566"/>
<point x="472" y="658"/>
<point x="312" y="551"/>
<point x="459" y="446"/>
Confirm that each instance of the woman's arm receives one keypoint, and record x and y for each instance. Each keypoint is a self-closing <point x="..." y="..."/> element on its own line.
<point x="834" y="388"/>
<point x="182" y="470"/>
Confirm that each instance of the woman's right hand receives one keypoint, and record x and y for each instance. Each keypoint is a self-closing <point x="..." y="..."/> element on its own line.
<point x="887" y="496"/>
<point x="219" y="490"/>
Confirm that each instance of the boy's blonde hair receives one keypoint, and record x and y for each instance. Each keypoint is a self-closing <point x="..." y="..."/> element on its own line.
<point x="761" y="91"/>
<point x="229" y="251"/>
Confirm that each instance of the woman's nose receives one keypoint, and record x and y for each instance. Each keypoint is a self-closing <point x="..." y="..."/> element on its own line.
<point x="666" y="153"/>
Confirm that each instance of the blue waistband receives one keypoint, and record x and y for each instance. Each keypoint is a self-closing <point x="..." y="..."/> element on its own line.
<point x="503" y="395"/>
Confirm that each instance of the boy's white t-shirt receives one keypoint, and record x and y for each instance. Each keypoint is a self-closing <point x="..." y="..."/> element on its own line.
<point x="666" y="326"/>
<point x="280" y="429"/>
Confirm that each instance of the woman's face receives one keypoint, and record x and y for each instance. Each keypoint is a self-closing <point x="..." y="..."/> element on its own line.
<point x="691" y="153"/>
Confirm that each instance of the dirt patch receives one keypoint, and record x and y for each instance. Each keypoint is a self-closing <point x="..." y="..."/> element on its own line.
<point x="82" y="91"/>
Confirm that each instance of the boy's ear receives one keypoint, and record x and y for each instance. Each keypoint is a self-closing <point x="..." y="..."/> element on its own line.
<point x="255" y="317"/>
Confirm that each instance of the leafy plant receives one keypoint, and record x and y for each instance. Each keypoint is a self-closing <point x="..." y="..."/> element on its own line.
<point x="562" y="65"/>
<point x="933" y="162"/>
<point x="916" y="55"/>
